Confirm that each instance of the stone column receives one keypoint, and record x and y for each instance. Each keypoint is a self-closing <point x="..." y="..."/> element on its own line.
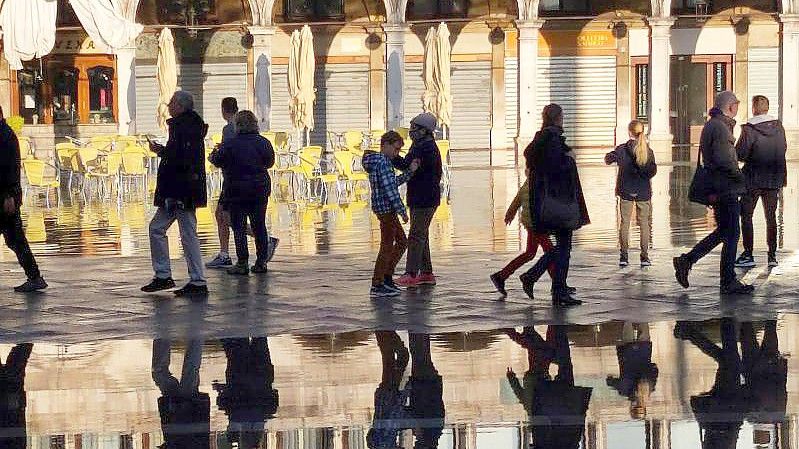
<point x="395" y="74"/>
<point x="528" y="72"/>
<point x="377" y="81"/>
<point x="624" y="88"/>
<point x="126" y="89"/>
<point x="740" y="82"/>
<point x="499" y="132"/>
<point x="789" y="107"/>
<point x="660" y="137"/>
<point x="261" y="96"/>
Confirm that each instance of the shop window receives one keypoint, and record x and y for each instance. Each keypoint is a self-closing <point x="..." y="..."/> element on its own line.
<point x="564" y="6"/>
<point x="691" y="7"/>
<point x="31" y="104"/>
<point x="66" y="15"/>
<point x="642" y="92"/>
<point x="189" y="12"/>
<point x="314" y="10"/>
<point x="65" y="96"/>
<point x="434" y="9"/>
<point x="101" y="95"/>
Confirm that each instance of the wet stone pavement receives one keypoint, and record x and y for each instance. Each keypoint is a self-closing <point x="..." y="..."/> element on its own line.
<point x="301" y="358"/>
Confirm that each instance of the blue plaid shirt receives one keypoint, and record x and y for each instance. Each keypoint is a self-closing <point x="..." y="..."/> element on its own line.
<point x="385" y="184"/>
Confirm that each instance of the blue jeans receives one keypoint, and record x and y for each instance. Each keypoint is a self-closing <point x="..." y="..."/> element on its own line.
<point x="561" y="256"/>
<point x="728" y="230"/>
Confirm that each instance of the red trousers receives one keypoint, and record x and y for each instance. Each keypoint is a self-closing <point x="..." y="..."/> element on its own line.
<point x="533" y="242"/>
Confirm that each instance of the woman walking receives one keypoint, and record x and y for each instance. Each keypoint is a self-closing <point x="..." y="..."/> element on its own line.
<point x="245" y="161"/>
<point x="637" y="167"/>
<point x="557" y="205"/>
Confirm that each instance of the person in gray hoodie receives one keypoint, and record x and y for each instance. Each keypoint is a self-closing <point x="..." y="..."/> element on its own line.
<point x="761" y="148"/>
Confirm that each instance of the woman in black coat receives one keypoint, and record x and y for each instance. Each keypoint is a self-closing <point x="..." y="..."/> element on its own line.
<point x="557" y="205"/>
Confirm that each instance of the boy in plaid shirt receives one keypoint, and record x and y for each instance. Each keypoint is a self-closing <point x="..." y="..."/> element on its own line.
<point x="388" y="206"/>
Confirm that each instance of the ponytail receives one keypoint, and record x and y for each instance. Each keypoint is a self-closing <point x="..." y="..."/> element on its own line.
<point x="641" y="149"/>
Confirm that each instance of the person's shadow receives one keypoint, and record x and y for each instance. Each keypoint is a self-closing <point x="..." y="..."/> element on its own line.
<point x="556" y="408"/>
<point x="719" y="411"/>
<point x="185" y="412"/>
<point x="247" y="396"/>
<point x="13" y="400"/>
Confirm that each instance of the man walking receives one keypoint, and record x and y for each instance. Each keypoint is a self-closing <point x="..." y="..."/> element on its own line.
<point x="222" y="260"/>
<point x="761" y="148"/>
<point x="718" y="156"/>
<point x="10" y="217"/>
<point x="180" y="190"/>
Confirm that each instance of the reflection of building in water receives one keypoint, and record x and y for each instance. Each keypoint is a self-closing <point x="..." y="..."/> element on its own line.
<point x="106" y="388"/>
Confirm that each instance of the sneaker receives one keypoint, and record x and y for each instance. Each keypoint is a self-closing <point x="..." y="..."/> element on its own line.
<point x="158" y="284"/>
<point x="623" y="261"/>
<point x="259" y="268"/>
<point x="381" y="291"/>
<point x="737" y="287"/>
<point x="192" y="290"/>
<point x="681" y="269"/>
<point x="220" y="261"/>
<point x="528" y="285"/>
<point x="645" y="262"/>
<point x="240" y="269"/>
<point x="772" y="261"/>
<point x="745" y="261"/>
<point x="391" y="285"/>
<point x="499" y="284"/>
<point x="273" y="242"/>
<point x="571" y="290"/>
<point x="408" y="280"/>
<point x="427" y="279"/>
<point x="31" y="285"/>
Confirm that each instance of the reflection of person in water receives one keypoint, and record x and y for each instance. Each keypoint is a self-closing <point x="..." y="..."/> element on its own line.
<point x="720" y="411"/>
<point x="247" y="396"/>
<point x="390" y="414"/>
<point x="765" y="372"/>
<point x="185" y="411"/>
<point x="637" y="374"/>
<point x="13" y="400"/>
<point x="426" y="391"/>
<point x="556" y="407"/>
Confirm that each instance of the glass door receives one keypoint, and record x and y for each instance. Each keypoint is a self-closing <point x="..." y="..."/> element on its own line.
<point x="689" y="99"/>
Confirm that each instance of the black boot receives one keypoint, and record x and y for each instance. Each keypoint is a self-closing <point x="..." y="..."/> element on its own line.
<point x="527" y="284"/>
<point x="681" y="268"/>
<point x="564" y="299"/>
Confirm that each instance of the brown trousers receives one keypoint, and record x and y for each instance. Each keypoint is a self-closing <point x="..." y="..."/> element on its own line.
<point x="393" y="243"/>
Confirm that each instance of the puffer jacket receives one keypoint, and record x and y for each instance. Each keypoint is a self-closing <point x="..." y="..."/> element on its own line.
<point x="717" y="146"/>
<point x="762" y="148"/>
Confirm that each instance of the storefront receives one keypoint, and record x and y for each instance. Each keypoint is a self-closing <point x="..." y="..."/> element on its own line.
<point x="73" y="88"/>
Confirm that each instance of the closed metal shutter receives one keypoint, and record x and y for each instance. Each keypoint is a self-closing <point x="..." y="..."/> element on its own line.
<point x="584" y="86"/>
<point x="471" y="102"/>
<point x="512" y="100"/>
<point x="764" y="73"/>
<point x="209" y="83"/>
<point x="342" y="100"/>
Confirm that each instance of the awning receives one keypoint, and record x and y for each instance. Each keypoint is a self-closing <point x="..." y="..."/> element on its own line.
<point x="28" y="29"/>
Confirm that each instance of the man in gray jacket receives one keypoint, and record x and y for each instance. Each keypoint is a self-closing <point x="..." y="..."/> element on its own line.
<point x="717" y="148"/>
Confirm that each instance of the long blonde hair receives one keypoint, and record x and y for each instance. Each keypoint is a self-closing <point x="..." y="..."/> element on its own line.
<point x="641" y="152"/>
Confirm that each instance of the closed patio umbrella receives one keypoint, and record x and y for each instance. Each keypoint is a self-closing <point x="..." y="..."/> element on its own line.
<point x="307" y="90"/>
<point x="428" y="71"/>
<point x="443" y="80"/>
<point x="167" y="75"/>
<point x="28" y="30"/>
<point x="294" y="79"/>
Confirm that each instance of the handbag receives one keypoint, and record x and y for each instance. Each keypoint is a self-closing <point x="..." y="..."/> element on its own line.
<point x="701" y="188"/>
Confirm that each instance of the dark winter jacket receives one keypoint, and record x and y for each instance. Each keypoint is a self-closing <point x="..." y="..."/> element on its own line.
<point x="633" y="182"/>
<point x="424" y="188"/>
<point x="762" y="148"/>
<point x="635" y="364"/>
<point x="717" y="146"/>
<point x="556" y="182"/>
<point x="9" y="164"/>
<point x="181" y="173"/>
<point x="245" y="161"/>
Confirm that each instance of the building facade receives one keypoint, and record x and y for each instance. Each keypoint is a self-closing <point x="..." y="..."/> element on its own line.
<point x="604" y="62"/>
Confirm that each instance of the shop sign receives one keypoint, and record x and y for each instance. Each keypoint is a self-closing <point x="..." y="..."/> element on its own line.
<point x="576" y="43"/>
<point x="76" y="44"/>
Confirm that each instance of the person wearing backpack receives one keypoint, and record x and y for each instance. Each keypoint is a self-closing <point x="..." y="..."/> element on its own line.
<point x="761" y="148"/>
<point x="637" y="166"/>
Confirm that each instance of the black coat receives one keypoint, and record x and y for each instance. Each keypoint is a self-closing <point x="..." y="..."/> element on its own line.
<point x="424" y="188"/>
<point x="633" y="182"/>
<point x="762" y="148"/>
<point x="717" y="146"/>
<point x="245" y="161"/>
<point x="9" y="164"/>
<point x="555" y="190"/>
<point x="181" y="173"/>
